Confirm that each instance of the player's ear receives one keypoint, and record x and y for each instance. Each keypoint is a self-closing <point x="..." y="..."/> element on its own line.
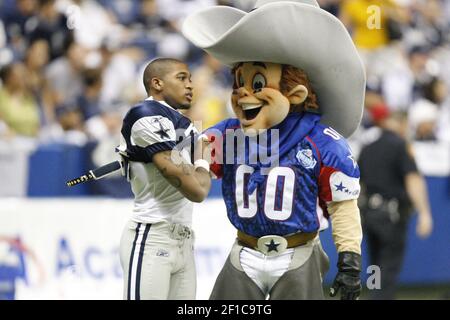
<point x="297" y="95"/>
<point x="157" y="84"/>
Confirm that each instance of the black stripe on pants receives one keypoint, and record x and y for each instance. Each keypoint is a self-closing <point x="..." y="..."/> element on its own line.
<point x="130" y="266"/>
<point x="139" y="266"/>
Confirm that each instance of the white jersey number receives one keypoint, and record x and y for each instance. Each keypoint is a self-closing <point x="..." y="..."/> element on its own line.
<point x="280" y="210"/>
<point x="246" y="204"/>
<point x="332" y="133"/>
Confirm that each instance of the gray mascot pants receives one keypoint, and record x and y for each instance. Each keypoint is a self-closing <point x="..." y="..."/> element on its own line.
<point x="303" y="280"/>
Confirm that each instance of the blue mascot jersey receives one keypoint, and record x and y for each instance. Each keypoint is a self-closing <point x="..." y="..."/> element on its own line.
<point x="315" y="166"/>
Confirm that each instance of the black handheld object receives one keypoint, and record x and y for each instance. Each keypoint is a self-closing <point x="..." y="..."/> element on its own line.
<point x="109" y="168"/>
<point x="96" y="173"/>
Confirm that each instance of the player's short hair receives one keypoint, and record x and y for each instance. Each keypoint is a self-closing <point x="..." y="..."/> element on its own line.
<point x="157" y="68"/>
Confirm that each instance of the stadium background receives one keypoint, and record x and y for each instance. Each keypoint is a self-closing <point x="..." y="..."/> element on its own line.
<point x="71" y="69"/>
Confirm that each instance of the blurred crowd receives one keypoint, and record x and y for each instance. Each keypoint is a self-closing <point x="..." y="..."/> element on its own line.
<point x="69" y="69"/>
<point x="405" y="47"/>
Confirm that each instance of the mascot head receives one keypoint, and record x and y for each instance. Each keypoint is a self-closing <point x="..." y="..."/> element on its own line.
<point x="264" y="93"/>
<point x="286" y="56"/>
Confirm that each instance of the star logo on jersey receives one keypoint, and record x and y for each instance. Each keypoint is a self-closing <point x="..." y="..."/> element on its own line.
<point x="162" y="132"/>
<point x="272" y="246"/>
<point x="340" y="187"/>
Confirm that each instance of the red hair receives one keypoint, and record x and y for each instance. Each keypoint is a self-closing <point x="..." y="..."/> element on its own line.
<point x="290" y="78"/>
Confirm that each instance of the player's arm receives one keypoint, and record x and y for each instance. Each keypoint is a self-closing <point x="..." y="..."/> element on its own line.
<point x="156" y="135"/>
<point x="193" y="181"/>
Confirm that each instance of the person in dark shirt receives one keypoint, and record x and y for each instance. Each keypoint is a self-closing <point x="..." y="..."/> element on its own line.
<point x="51" y="25"/>
<point x="15" y="18"/>
<point x="392" y="186"/>
<point x="89" y="100"/>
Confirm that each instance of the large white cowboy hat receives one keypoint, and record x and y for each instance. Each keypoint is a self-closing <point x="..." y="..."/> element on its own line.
<point x="298" y="33"/>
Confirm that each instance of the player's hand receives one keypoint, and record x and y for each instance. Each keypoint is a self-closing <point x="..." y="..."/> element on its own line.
<point x="348" y="279"/>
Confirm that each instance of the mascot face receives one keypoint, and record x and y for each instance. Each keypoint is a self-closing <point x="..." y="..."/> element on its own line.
<point x="257" y="98"/>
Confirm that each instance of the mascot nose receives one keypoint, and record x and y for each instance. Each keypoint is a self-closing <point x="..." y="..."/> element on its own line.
<point x="243" y="92"/>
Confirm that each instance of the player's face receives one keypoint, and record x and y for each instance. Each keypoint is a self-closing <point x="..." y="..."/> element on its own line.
<point x="256" y="99"/>
<point x="178" y="87"/>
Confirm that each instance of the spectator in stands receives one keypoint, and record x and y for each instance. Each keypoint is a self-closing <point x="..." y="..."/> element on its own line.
<point x="428" y="23"/>
<point x="64" y="74"/>
<point x="91" y="23"/>
<point x="211" y="92"/>
<point x="123" y="12"/>
<point x="374" y="24"/>
<point x="150" y="18"/>
<point x="176" y="10"/>
<point x="404" y="84"/>
<point x="51" y="25"/>
<point x="149" y="28"/>
<point x="19" y="111"/>
<point x="424" y="114"/>
<point x="115" y="61"/>
<point x="369" y="20"/>
<point x="36" y="59"/>
<point x="15" y="23"/>
<point x="70" y="126"/>
<point x="98" y="125"/>
<point x="89" y="100"/>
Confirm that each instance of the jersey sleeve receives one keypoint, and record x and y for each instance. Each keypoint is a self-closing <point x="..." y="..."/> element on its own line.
<point x="154" y="134"/>
<point x="339" y="173"/>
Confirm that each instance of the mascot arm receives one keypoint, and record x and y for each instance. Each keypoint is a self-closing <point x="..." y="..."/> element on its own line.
<point x="346" y="225"/>
<point x="347" y="236"/>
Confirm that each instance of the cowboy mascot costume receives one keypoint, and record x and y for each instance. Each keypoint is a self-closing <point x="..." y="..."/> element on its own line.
<point x="299" y="81"/>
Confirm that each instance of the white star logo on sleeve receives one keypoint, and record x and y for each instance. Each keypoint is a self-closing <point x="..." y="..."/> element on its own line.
<point x="344" y="187"/>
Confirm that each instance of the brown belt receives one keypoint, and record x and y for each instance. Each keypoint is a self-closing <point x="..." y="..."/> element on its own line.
<point x="295" y="240"/>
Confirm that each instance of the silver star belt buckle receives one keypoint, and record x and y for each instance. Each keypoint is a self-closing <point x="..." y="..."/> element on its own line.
<point x="272" y="245"/>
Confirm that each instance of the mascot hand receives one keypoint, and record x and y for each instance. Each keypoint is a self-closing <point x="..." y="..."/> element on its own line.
<point x="213" y="153"/>
<point x="348" y="279"/>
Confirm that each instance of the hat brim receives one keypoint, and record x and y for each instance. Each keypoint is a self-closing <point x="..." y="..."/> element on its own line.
<point x="290" y="33"/>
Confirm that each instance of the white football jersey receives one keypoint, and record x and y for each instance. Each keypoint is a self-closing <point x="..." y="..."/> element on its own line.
<point x="148" y="128"/>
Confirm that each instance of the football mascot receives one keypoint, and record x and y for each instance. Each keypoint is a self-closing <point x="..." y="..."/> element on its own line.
<point x="298" y="91"/>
